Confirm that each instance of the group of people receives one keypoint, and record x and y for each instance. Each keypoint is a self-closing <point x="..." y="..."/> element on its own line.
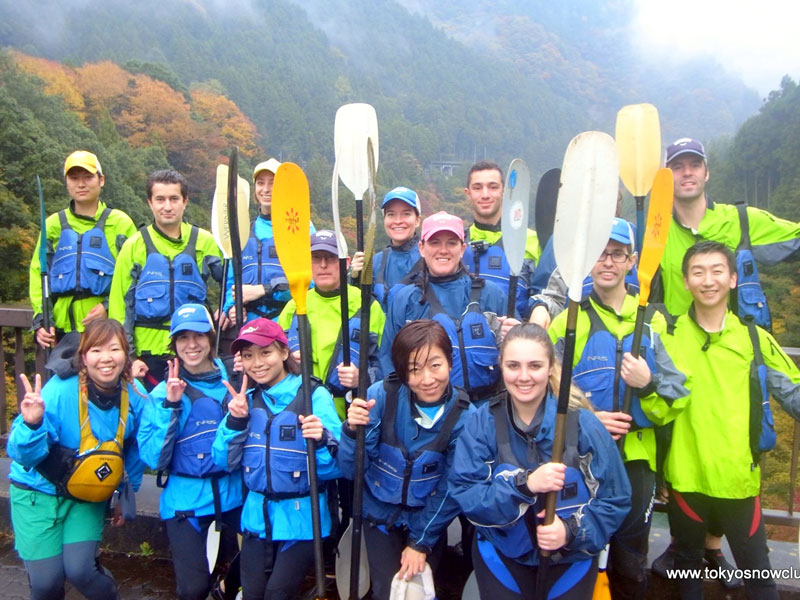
<point x="459" y="419"/>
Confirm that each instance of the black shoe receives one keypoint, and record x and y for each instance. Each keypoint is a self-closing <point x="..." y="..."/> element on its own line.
<point x="716" y="560"/>
<point x="664" y="562"/>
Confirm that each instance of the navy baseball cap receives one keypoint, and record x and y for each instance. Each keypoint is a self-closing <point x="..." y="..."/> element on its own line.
<point x="622" y="232"/>
<point x="191" y="317"/>
<point x="408" y="196"/>
<point x="324" y="240"/>
<point x="685" y="146"/>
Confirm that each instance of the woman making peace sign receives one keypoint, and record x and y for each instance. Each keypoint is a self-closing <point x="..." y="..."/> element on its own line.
<point x="70" y="445"/>
<point x="264" y="433"/>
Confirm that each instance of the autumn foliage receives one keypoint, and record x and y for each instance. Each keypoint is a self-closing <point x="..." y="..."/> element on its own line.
<point x="195" y="131"/>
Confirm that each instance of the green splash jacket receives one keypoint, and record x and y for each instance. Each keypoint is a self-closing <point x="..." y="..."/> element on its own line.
<point x="669" y="381"/>
<point x="773" y="240"/>
<point x="710" y="451"/>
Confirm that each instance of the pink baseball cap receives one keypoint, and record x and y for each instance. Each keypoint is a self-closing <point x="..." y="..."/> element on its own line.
<point x="261" y="332"/>
<point x="442" y="221"/>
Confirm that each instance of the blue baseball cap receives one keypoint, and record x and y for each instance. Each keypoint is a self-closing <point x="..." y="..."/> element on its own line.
<point x="622" y="232"/>
<point x="191" y="317"/>
<point x="406" y="195"/>
<point x="685" y="146"/>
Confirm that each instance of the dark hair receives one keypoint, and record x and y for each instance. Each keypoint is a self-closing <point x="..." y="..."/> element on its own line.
<point x="98" y="332"/>
<point x="484" y="165"/>
<point x="533" y="332"/>
<point x="290" y="364"/>
<point x="167" y="176"/>
<point x="212" y="339"/>
<point x="414" y="336"/>
<point x="708" y="247"/>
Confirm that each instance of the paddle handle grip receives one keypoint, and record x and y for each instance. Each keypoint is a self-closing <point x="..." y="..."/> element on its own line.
<point x="223" y="281"/>
<point x="512" y="295"/>
<point x="345" y="310"/>
<point x="304" y="332"/>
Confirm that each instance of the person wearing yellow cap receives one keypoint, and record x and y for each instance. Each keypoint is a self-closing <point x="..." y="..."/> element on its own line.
<point x="83" y="242"/>
<point x="265" y="288"/>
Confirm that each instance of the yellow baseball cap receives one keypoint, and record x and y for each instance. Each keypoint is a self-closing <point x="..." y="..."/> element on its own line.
<point x="84" y="160"/>
<point x="270" y="165"/>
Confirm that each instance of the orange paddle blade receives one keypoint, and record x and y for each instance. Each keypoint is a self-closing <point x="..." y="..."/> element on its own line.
<point x="659" y="216"/>
<point x="291" y="218"/>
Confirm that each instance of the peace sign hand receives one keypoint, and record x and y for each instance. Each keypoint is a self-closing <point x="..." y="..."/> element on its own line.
<point x="32" y="405"/>
<point x="237" y="405"/>
<point x="175" y="385"/>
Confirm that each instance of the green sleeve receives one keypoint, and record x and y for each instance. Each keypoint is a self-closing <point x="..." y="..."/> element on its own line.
<point x="121" y="281"/>
<point x="773" y="240"/>
<point x="285" y="318"/>
<point x="377" y="320"/>
<point x="532" y="249"/>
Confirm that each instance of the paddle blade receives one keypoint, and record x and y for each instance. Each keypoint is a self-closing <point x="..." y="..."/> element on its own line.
<point x="291" y="218"/>
<point x="659" y="217"/>
<point x="353" y="126"/>
<point x="587" y="201"/>
<point x="545" y="209"/>
<point x="639" y="144"/>
<point x="343" y="565"/>
<point x="514" y="223"/>
<point x="219" y="212"/>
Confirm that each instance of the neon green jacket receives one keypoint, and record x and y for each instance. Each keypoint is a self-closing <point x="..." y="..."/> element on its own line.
<point x="532" y="249"/>
<point x="669" y="381"/>
<point x="325" y="321"/>
<point x="710" y="451"/>
<point x="119" y="227"/>
<point x="773" y="240"/>
<point x="130" y="262"/>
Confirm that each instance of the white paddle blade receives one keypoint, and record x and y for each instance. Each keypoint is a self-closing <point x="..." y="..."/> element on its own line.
<point x="586" y="204"/>
<point x="212" y="546"/>
<point x="471" y="591"/>
<point x="341" y="244"/>
<point x="514" y="222"/>
<point x="354" y="125"/>
<point x="219" y="212"/>
<point x="343" y="566"/>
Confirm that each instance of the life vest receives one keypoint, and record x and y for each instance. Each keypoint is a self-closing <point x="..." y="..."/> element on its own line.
<point x="762" y="424"/>
<point x="597" y="373"/>
<point x="489" y="262"/>
<point x="751" y="302"/>
<point x="82" y="264"/>
<point x="379" y="287"/>
<point x="406" y="479"/>
<point x="275" y="458"/>
<point x="475" y="352"/>
<point x="98" y="466"/>
<point x="165" y="284"/>
<point x="191" y="455"/>
<point x="516" y="539"/>
<point x="260" y="266"/>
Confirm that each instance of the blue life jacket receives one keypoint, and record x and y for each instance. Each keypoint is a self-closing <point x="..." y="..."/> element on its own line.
<point x="517" y="539"/>
<point x="762" y="424"/>
<point x="380" y="289"/>
<point x="82" y="265"/>
<point x="398" y="477"/>
<point x="597" y="373"/>
<point x="489" y="262"/>
<point x="475" y="352"/>
<point x="164" y="284"/>
<point x="750" y="298"/>
<point x="260" y="266"/>
<point x="191" y="456"/>
<point x="275" y="458"/>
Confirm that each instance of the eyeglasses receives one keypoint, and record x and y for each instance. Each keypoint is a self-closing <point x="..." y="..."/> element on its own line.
<point x="318" y="259"/>
<point x="618" y="256"/>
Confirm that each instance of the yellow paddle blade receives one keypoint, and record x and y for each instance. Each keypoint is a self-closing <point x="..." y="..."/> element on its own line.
<point x="602" y="591"/>
<point x="638" y="140"/>
<point x="659" y="217"/>
<point x="291" y="218"/>
<point x="219" y="212"/>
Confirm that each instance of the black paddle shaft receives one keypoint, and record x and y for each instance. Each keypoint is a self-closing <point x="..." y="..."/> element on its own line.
<point x="225" y="263"/>
<point x="512" y="295"/>
<point x="233" y="228"/>
<point x="639" y="223"/>
<point x="359" y="224"/>
<point x="358" y="470"/>
<point x="304" y="331"/>
<point x="345" y="310"/>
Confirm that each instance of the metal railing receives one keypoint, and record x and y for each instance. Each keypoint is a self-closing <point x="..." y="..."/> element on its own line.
<point x="19" y="319"/>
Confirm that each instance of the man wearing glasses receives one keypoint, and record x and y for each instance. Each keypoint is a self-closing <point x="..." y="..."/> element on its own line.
<point x="604" y="368"/>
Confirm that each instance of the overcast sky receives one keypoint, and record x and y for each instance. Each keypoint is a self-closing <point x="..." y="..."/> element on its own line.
<point x="756" y="39"/>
